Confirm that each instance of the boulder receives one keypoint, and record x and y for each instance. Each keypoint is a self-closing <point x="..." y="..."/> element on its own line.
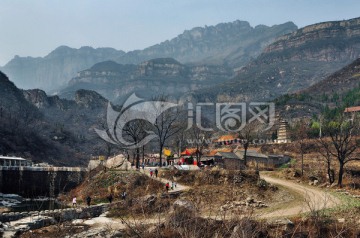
<point x="183" y="213"/>
<point x="184" y="205"/>
<point x="313" y="178"/>
<point x="284" y="222"/>
<point x="148" y="200"/>
<point x="249" y="200"/>
<point x="118" y="162"/>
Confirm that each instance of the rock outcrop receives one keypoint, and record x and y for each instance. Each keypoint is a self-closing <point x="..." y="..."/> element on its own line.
<point x="234" y="43"/>
<point x="293" y="62"/>
<point x="148" y="79"/>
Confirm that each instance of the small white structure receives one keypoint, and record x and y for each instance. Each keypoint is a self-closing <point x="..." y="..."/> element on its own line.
<point x="283" y="134"/>
<point x="14" y="161"/>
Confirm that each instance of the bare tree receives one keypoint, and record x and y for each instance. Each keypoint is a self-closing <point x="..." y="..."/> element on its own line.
<point x="199" y="137"/>
<point x="300" y="134"/>
<point x="168" y="123"/>
<point x="135" y="131"/>
<point x="324" y="149"/>
<point x="343" y="142"/>
<point x="247" y="135"/>
<point x="200" y="142"/>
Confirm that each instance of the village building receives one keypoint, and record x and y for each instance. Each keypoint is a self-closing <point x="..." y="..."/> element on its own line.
<point x="209" y="158"/>
<point x="254" y="159"/>
<point x="188" y="156"/>
<point x="352" y="111"/>
<point x="227" y="139"/>
<point x="14" y="161"/>
<point x="229" y="160"/>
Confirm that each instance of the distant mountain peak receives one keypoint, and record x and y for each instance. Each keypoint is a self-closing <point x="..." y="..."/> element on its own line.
<point x="233" y="44"/>
<point x="57" y="68"/>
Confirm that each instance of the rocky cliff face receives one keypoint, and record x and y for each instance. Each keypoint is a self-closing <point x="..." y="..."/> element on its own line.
<point x="50" y="129"/>
<point x="150" y="78"/>
<point x="42" y="101"/>
<point x="337" y="30"/>
<point x="340" y="89"/>
<point x="57" y="68"/>
<point x="232" y="43"/>
<point x="11" y="98"/>
<point x="24" y="131"/>
<point x="71" y="123"/>
<point x="293" y="62"/>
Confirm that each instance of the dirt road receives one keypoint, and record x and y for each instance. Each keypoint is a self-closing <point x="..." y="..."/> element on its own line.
<point x="309" y="199"/>
<point x="178" y="188"/>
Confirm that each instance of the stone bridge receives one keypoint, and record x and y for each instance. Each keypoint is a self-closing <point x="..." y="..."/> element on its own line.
<point x="31" y="182"/>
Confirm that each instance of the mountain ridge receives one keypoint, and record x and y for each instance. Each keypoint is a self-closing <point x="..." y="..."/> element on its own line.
<point x="157" y="76"/>
<point x="304" y="58"/>
<point x="234" y="44"/>
<point x="54" y="70"/>
<point x="225" y="48"/>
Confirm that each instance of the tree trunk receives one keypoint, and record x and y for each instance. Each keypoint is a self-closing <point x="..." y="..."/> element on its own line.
<point x="302" y="163"/>
<point x="341" y="172"/>
<point x="137" y="158"/>
<point x="330" y="172"/>
<point x="246" y="145"/>
<point x="198" y="155"/>
<point x="161" y="149"/>
<point x="143" y="154"/>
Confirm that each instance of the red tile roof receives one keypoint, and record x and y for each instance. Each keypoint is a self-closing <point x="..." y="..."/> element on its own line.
<point x="213" y="152"/>
<point x="190" y="151"/>
<point x="352" y="109"/>
<point x="226" y="138"/>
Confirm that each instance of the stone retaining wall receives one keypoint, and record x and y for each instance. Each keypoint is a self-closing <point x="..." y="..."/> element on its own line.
<point x="39" y="181"/>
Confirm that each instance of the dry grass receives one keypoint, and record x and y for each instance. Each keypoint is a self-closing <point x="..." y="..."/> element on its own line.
<point x="99" y="186"/>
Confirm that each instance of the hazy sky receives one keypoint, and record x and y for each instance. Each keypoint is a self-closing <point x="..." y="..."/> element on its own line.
<point x="36" y="27"/>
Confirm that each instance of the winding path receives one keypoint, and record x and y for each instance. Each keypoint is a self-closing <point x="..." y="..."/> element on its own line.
<point x="178" y="188"/>
<point x="310" y="199"/>
<point x="307" y="198"/>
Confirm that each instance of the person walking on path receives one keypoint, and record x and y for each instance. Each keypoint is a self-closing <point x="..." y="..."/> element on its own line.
<point x="74" y="201"/>
<point x="167" y="186"/>
<point x="151" y="173"/>
<point x="88" y="201"/>
<point x="143" y="166"/>
<point x="123" y="195"/>
<point x="156" y="172"/>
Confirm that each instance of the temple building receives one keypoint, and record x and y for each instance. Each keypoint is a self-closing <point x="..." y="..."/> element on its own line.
<point x="283" y="133"/>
